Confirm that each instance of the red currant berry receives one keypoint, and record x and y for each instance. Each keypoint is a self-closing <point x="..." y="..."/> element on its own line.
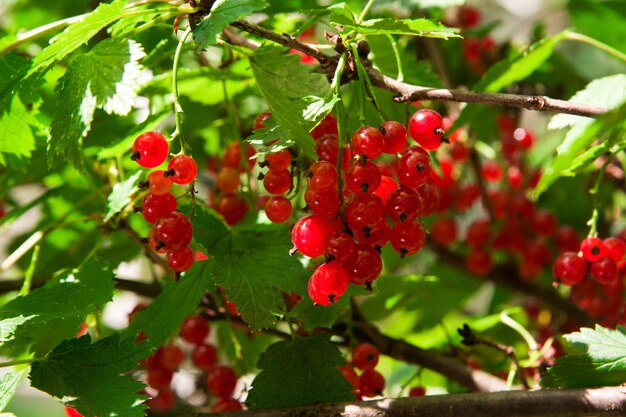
<point x="363" y="177"/>
<point x="159" y="378"/>
<point x="395" y="137"/>
<point x="469" y="17"/>
<point x="232" y="208"/>
<point x="194" y="330"/>
<point x="163" y="402"/>
<point x="181" y="260"/>
<point x="604" y="271"/>
<point x="258" y="121"/>
<point x="459" y="152"/>
<point x="524" y="138"/>
<point x="569" y="268"/>
<point x="368" y="141"/>
<point x="615" y="247"/>
<point x="278" y="209"/>
<point x="431" y="199"/>
<point x="593" y="249"/>
<point x="327" y="126"/>
<point x="174" y="230"/>
<point x="154" y="206"/>
<point x="278" y="161"/>
<point x="387" y="186"/>
<point x="407" y="238"/>
<point x="232" y="156"/>
<point x="325" y="203"/>
<point x="491" y="171"/>
<point x="277" y="182"/>
<point x="182" y="169"/>
<point x="159" y="184"/>
<point x="170" y="357"/>
<point x="377" y="237"/>
<point x="404" y="204"/>
<point x="364" y="266"/>
<point x="365" y="356"/>
<point x="226" y="404"/>
<point x="150" y="149"/>
<point x="327" y="149"/>
<point x="228" y="180"/>
<point x="426" y="128"/>
<point x="364" y="211"/>
<point x="414" y="167"/>
<point x="203" y="356"/>
<point x="417" y="392"/>
<point x="479" y="233"/>
<point x="221" y="381"/>
<point x="350" y="375"/>
<point x="478" y="262"/>
<point x="371" y="383"/>
<point x="544" y="223"/>
<point x="328" y="283"/>
<point x="444" y="231"/>
<point x="515" y="176"/>
<point x="311" y="234"/>
<point x="322" y="176"/>
<point x="567" y="239"/>
<point x="340" y="247"/>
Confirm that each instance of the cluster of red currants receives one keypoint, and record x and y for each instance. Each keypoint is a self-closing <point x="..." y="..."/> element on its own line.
<point x="171" y="231"/>
<point x="370" y="383"/>
<point x="351" y="224"/>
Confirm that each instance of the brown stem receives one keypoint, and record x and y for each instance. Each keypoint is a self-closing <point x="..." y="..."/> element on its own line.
<point x="477" y="167"/>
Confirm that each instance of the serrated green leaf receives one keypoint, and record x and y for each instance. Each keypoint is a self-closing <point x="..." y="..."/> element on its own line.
<point x="599" y="359"/>
<point x="12" y="67"/>
<point x="250" y="264"/>
<point x="47" y="315"/>
<point x="390" y="26"/>
<point x="223" y="12"/>
<point x="8" y="385"/>
<point x="89" y="377"/>
<point x="77" y="34"/>
<point x="120" y="195"/>
<point x="341" y="11"/>
<point x="88" y="84"/>
<point x="16" y="137"/>
<point x="282" y="81"/>
<point x="297" y="372"/>
<point x="319" y="107"/>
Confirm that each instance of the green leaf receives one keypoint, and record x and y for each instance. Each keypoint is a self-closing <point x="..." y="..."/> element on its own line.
<point x="106" y="77"/>
<point x="282" y="80"/>
<point x="12" y="67"/>
<point x="8" y="385"/>
<point x="54" y="312"/>
<point x="319" y="107"/>
<point x="300" y="371"/>
<point x="390" y="26"/>
<point x="223" y="12"/>
<point x="120" y="195"/>
<point x="250" y="264"/>
<point x="16" y="137"/>
<point x="598" y="359"/>
<point x="594" y="17"/>
<point x="77" y="34"/>
<point x="89" y="377"/>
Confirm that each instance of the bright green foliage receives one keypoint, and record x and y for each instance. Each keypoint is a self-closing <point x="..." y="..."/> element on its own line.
<point x="8" y="385"/>
<point x="120" y="196"/>
<point x="298" y="372"/>
<point x="415" y="27"/>
<point x="596" y="359"/>
<point x="103" y="390"/>
<point x="16" y="137"/>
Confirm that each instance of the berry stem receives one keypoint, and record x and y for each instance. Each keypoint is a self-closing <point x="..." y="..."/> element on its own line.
<point x="578" y="37"/>
<point x="28" y="275"/>
<point x="595" y="191"/>
<point x="521" y="330"/>
<point x="396" y="53"/>
<point x="341" y="131"/>
<point x="365" y="79"/>
<point x="19" y="362"/>
<point x="178" y="110"/>
<point x="366" y="9"/>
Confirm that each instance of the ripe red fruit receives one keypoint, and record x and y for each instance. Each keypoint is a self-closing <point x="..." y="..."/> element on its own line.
<point x="232" y="156"/>
<point x="159" y="184"/>
<point x="228" y="180"/>
<point x="395" y="137"/>
<point x="328" y="283"/>
<point x="604" y="271"/>
<point x="350" y="375"/>
<point x="277" y="182"/>
<point x="194" y="330"/>
<point x="327" y="149"/>
<point x="404" y="204"/>
<point x="221" y="381"/>
<point x="593" y="249"/>
<point x="491" y="171"/>
<point x="364" y="211"/>
<point x="182" y="169"/>
<point x="72" y="412"/>
<point x="154" y="206"/>
<point x="426" y="128"/>
<point x="278" y="209"/>
<point x="615" y="247"/>
<point x="232" y="208"/>
<point x="377" y="237"/>
<point x="150" y="149"/>
<point x="324" y="203"/>
<point x="544" y="223"/>
<point x="431" y="199"/>
<point x="203" y="356"/>
<point x="414" y="167"/>
<point x="322" y="176"/>
<point x="226" y="404"/>
<point x="311" y="234"/>
<point x="163" y="402"/>
<point x="371" y="383"/>
<point x="387" y="186"/>
<point x="478" y="262"/>
<point x="365" y="356"/>
<point x="278" y="161"/>
<point x="569" y="268"/>
<point x="407" y="238"/>
<point x="444" y="231"/>
<point x="469" y="17"/>
<point x="479" y="233"/>
<point x="169" y="357"/>
<point x="340" y="247"/>
<point x="524" y="138"/>
<point x="181" y="260"/>
<point x="567" y="239"/>
<point x="368" y="141"/>
<point x="159" y="378"/>
<point x="328" y="125"/>
<point x="364" y="266"/>
<point x="417" y="391"/>
<point x="174" y="230"/>
<point x="363" y="177"/>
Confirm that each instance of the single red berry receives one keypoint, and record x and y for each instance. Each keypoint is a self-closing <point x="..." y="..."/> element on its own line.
<point x="479" y="233"/>
<point x="203" y="356"/>
<point x="417" y="391"/>
<point x="615" y="247"/>
<point x="414" y="167"/>
<point x="363" y="177"/>
<point x="322" y="176"/>
<point x="364" y="211"/>
<point x="468" y="194"/>
<point x="371" y="383"/>
<point x="170" y="357"/>
<point x="72" y="412"/>
<point x="278" y="209"/>
<point x="593" y="249"/>
<point x="258" y="121"/>
<point x="469" y="17"/>
<point x="491" y="171"/>
<point x="327" y="149"/>
<point x="444" y="231"/>
<point x="173" y="230"/>
<point x="154" y="206"/>
<point x="431" y="199"/>
<point x="368" y="141"/>
<point x="324" y="203"/>
<point x="538" y="252"/>
<point x="426" y="128"/>
<point x="159" y="378"/>
<point x="569" y="268"/>
<point x="194" y="330"/>
<point x="365" y="356"/>
<point x="232" y="157"/>
<point x="459" y="152"/>
<point x="277" y="182"/>
<point x="328" y="125"/>
<point x="182" y="169"/>
<point x="478" y="262"/>
<point x="328" y="283"/>
<point x="221" y="381"/>
<point x="150" y="149"/>
<point x="226" y="404"/>
<point x="404" y="204"/>
<point x="181" y="260"/>
<point x="278" y="161"/>
<point x="387" y="186"/>
<point x="228" y="180"/>
<point x="544" y="223"/>
<point x="567" y="239"/>
<point x="159" y="184"/>
<point x="377" y="237"/>
<point x="232" y="207"/>
<point x="340" y="247"/>
<point x="311" y="234"/>
<point x="395" y="137"/>
<point x="524" y="138"/>
<point x="407" y="238"/>
<point x="163" y="402"/>
<point x="444" y="179"/>
<point x="515" y="176"/>
<point x="364" y="266"/>
<point x="604" y="271"/>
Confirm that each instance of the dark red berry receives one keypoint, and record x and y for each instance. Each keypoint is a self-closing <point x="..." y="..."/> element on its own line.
<point x="372" y="383"/>
<point x="479" y="233"/>
<point x="181" y="260"/>
<point x="163" y="402"/>
<point x="159" y="378"/>
<point x="173" y="230"/>
<point x="150" y="149"/>
<point x="328" y="125"/>
<point x="368" y="141"/>
<point x="324" y="203"/>
<point x="278" y="161"/>
<point x="417" y="391"/>
<point x="478" y="262"/>
<point x="404" y="204"/>
<point x="194" y="330"/>
<point x="278" y="209"/>
<point x="232" y="157"/>
<point x="616" y="248"/>
<point x="407" y="238"/>
<point x="604" y="271"/>
<point x="567" y="239"/>
<point x="365" y="356"/>
<point x="203" y="356"/>
<point x="395" y="137"/>
<point x="232" y="207"/>
<point x="544" y="223"/>
<point x="226" y="404"/>
<point x="444" y="231"/>
<point x="322" y="176"/>
<point x="159" y="184"/>
<point x="277" y="182"/>
<point x="170" y="357"/>
<point x="363" y="177"/>
<point x="364" y="211"/>
<point x="364" y="266"/>
<point x="258" y="121"/>
<point x="221" y="381"/>
<point x="154" y="206"/>
<point x="569" y="268"/>
<point x="414" y="167"/>
<point x="340" y="247"/>
<point x="182" y="169"/>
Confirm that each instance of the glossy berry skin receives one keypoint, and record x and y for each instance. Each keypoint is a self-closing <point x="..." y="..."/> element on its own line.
<point x="444" y="231"/>
<point x="363" y="177"/>
<point x="376" y="238"/>
<point x="278" y="209"/>
<point x="170" y="357"/>
<point x="395" y="137"/>
<point x="150" y="149"/>
<point x="311" y="234"/>
<point x="181" y="260"/>
<point x="328" y="126"/>
<point x="365" y="356"/>
<point x="615" y="247"/>
<point x="203" y="356"/>
<point x="593" y="249"/>
<point x="371" y="383"/>
<point x="324" y="203"/>
<point x="221" y="381"/>
<point x="407" y="238"/>
<point x="431" y="199"/>
<point x="322" y="176"/>
<point x="174" y="230"/>
<point x="327" y="149"/>
<point x="426" y="128"/>
<point x="364" y="211"/>
<point x="569" y="268"/>
<point x="523" y="138"/>
<point x="226" y="404"/>
<point x="340" y="247"/>
<point x="277" y="182"/>
<point x="417" y="392"/>
<point x="387" y="186"/>
<point x="278" y="161"/>
<point x="414" y="167"/>
<point x="194" y="330"/>
<point x="232" y="208"/>
<point x="404" y="204"/>
<point x="368" y="141"/>
<point x="154" y="206"/>
<point x="604" y="271"/>
<point x="478" y="262"/>
<point x="182" y="169"/>
<point x="159" y="184"/>
<point x="364" y="266"/>
<point x="328" y="283"/>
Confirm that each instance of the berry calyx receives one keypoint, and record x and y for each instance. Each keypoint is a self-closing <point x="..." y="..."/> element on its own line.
<point x="150" y="149"/>
<point x="593" y="249"/>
